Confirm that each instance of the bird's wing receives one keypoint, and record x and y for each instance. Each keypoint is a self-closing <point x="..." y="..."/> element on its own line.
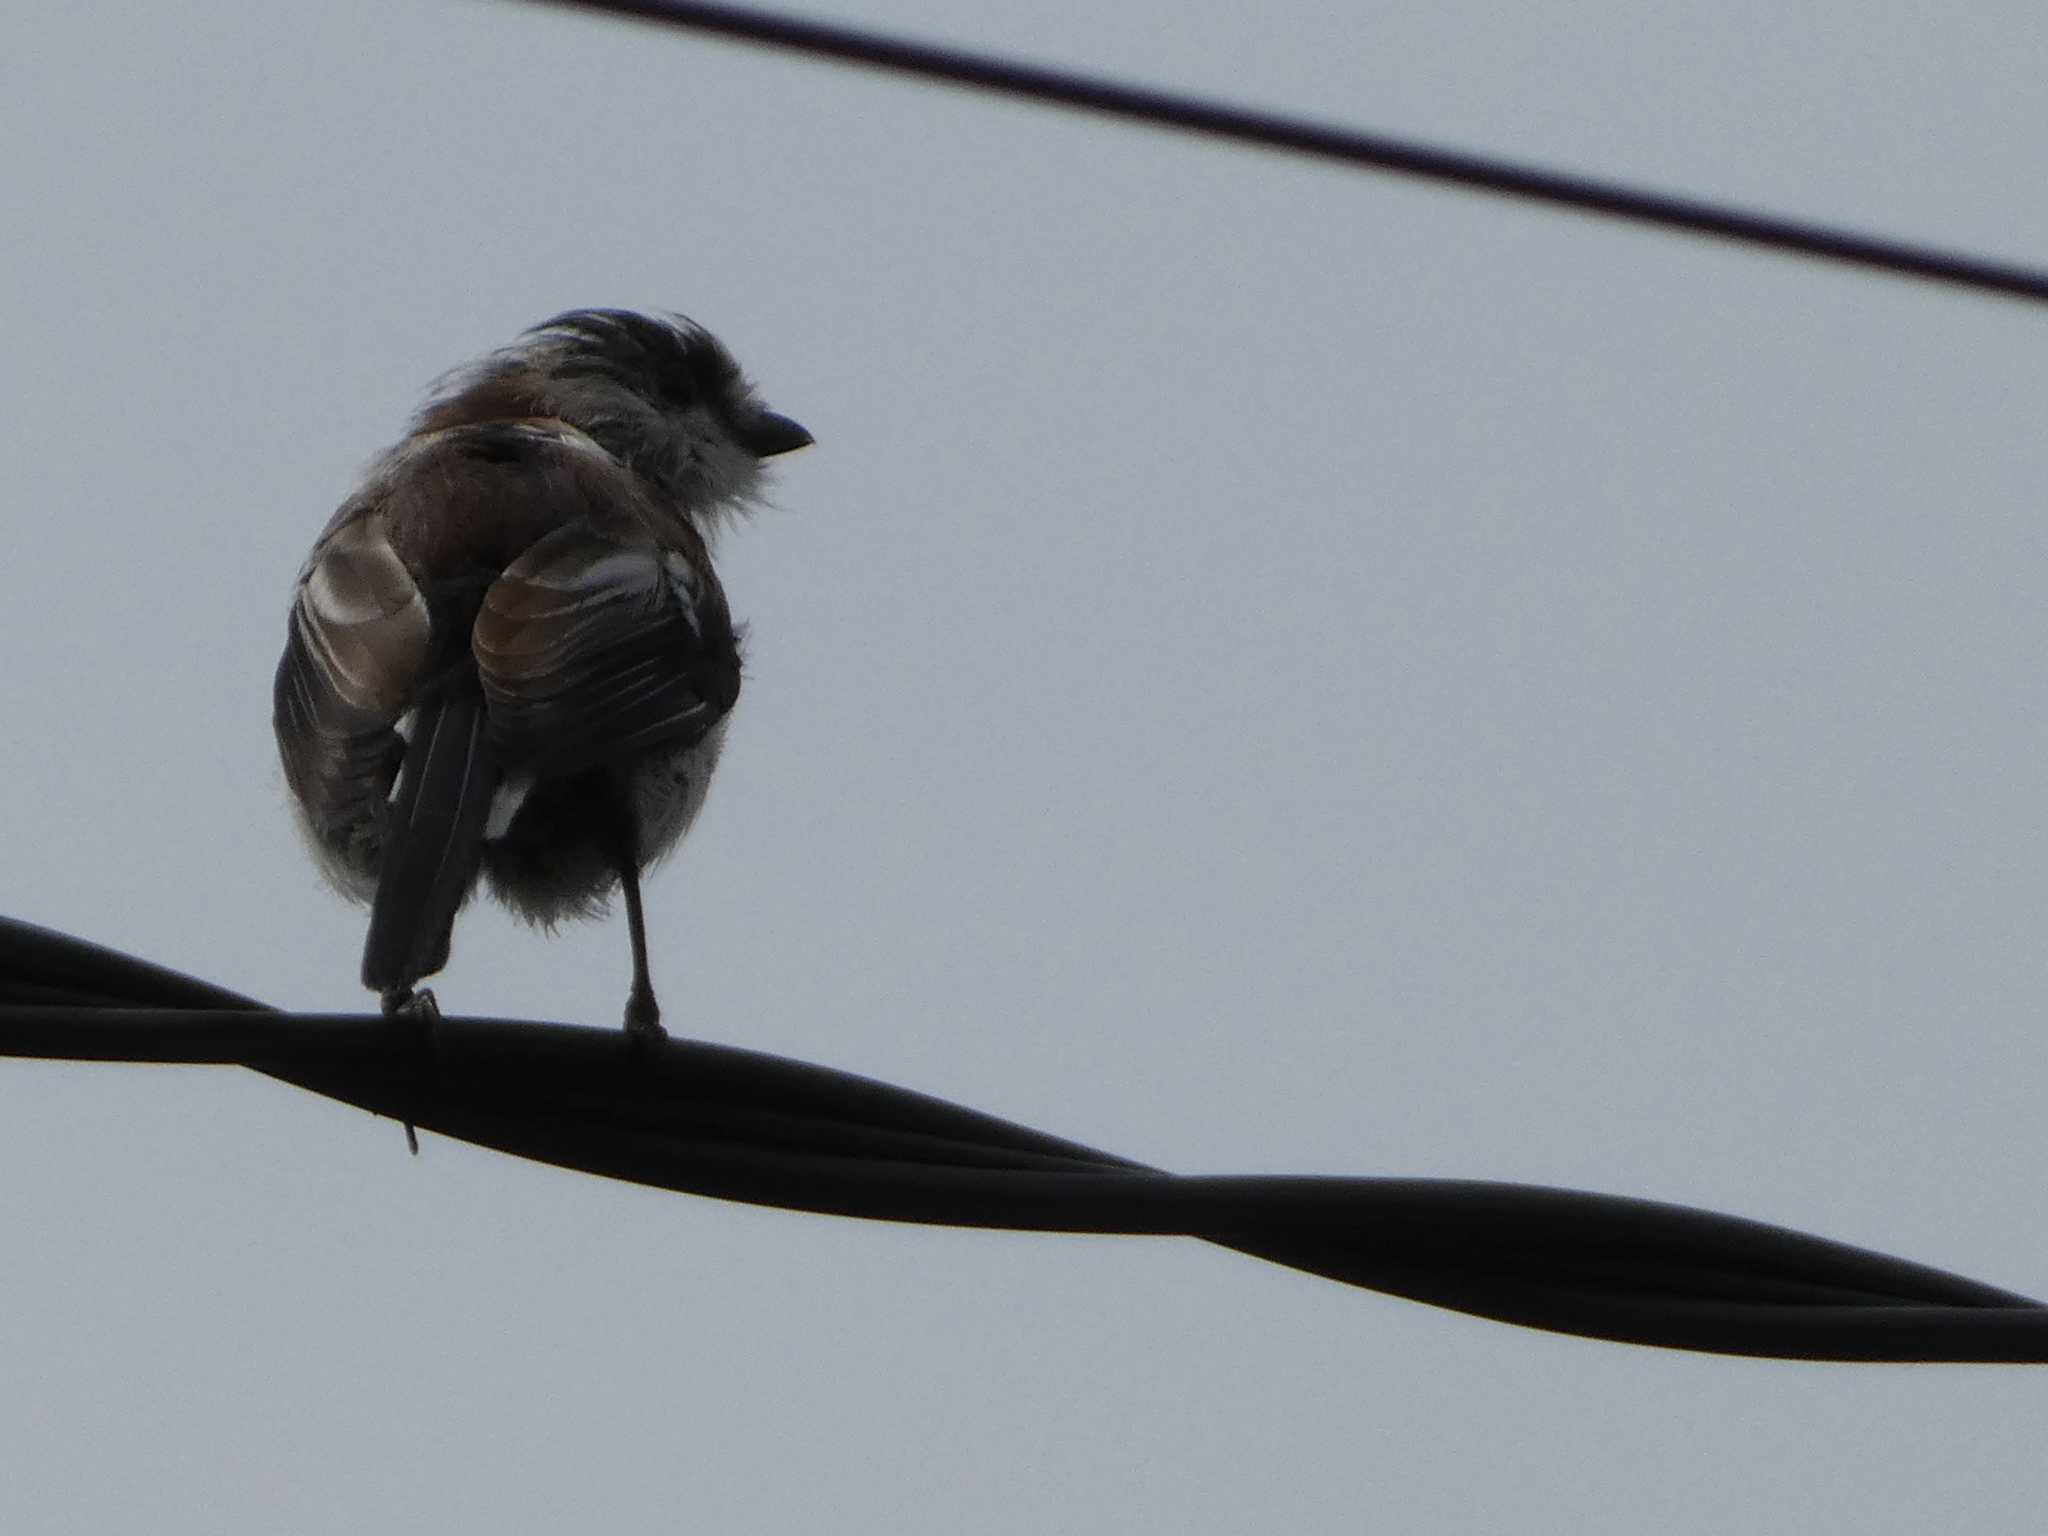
<point x="592" y="650"/>
<point x="357" y="644"/>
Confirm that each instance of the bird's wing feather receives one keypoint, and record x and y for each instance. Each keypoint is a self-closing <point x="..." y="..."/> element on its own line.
<point x="431" y="836"/>
<point x="357" y="643"/>
<point x="592" y="649"/>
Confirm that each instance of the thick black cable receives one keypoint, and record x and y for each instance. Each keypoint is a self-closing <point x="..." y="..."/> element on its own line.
<point x="738" y="1125"/>
<point x="1272" y="130"/>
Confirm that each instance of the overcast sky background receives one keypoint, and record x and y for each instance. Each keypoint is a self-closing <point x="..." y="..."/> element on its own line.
<point x="1267" y="669"/>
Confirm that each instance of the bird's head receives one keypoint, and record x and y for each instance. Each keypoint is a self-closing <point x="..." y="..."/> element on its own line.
<point x="658" y="392"/>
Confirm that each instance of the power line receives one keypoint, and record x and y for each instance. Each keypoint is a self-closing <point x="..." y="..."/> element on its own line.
<point x="739" y="1125"/>
<point x="1272" y="130"/>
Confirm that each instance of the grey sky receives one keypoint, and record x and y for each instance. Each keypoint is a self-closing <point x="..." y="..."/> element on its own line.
<point x="1267" y="669"/>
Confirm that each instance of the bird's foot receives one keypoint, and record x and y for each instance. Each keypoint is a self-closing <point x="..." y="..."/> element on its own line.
<point x="414" y="1011"/>
<point x="643" y="1016"/>
<point x="410" y="1002"/>
<point x="644" y="1033"/>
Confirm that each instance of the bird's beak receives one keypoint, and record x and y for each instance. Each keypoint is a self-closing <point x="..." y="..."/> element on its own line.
<point x="769" y="434"/>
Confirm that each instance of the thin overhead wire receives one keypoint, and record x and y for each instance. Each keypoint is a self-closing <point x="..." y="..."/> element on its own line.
<point x="1349" y="146"/>
<point x="737" y="1125"/>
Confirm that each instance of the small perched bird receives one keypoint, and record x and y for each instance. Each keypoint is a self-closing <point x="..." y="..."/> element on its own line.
<point x="508" y="654"/>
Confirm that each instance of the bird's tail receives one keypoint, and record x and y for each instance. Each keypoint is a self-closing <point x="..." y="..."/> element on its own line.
<point x="432" y="839"/>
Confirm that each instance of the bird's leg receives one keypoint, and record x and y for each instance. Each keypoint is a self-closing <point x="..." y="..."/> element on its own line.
<point x="413" y="1009"/>
<point x="643" y="1014"/>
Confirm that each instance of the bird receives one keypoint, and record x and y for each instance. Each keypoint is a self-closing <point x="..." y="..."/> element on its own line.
<point x="508" y="659"/>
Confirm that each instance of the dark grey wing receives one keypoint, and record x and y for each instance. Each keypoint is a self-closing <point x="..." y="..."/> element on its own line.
<point x="592" y="650"/>
<point x="356" y="648"/>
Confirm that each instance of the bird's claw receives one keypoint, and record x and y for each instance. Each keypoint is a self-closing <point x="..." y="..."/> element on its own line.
<point x="644" y="1034"/>
<point x="643" y="1018"/>
<point x="415" y="1003"/>
<point x="414" y="1009"/>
